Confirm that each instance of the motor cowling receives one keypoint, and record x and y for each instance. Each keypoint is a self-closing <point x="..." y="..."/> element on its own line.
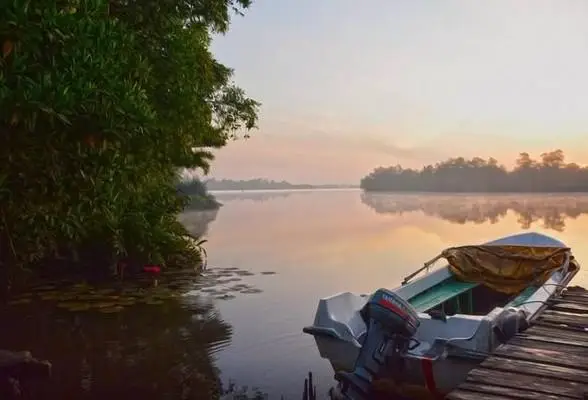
<point x="391" y="323"/>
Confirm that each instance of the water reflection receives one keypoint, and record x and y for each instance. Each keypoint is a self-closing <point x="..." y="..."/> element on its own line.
<point x="550" y="210"/>
<point x="258" y="196"/>
<point x="197" y="222"/>
<point x="273" y="194"/>
<point x="164" y="352"/>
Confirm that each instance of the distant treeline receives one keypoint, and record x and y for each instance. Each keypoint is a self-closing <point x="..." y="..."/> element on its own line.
<point x="549" y="174"/>
<point x="261" y="184"/>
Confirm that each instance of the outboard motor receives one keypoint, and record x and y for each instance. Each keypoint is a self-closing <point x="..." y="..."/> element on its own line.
<point x="391" y="322"/>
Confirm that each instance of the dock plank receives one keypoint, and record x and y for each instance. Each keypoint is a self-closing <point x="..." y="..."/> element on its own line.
<point x="579" y="296"/>
<point x="557" y="313"/>
<point x="572" y="298"/>
<point x="550" y="343"/>
<point x="508" y="391"/>
<point x="462" y="394"/>
<point x="556" y="332"/>
<point x="558" y="317"/>
<point x="547" y="361"/>
<point x="570" y="306"/>
<point x="513" y="380"/>
<point x="531" y="368"/>
<point x="556" y="325"/>
<point x="546" y="356"/>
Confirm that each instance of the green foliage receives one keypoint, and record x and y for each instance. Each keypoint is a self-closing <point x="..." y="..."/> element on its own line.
<point x="199" y="197"/>
<point x="551" y="174"/>
<point x="192" y="187"/>
<point x="101" y="104"/>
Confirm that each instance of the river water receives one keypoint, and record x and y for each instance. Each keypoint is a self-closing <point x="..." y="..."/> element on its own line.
<point x="296" y="246"/>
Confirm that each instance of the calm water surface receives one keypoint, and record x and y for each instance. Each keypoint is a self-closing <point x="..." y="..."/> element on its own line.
<point x="317" y="243"/>
<point x="323" y="242"/>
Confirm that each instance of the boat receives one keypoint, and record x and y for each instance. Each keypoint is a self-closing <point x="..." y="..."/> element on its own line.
<point x="420" y="339"/>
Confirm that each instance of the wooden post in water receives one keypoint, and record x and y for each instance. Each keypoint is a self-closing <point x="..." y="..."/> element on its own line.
<point x="309" y="392"/>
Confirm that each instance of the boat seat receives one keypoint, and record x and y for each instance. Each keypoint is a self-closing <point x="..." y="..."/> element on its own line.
<point x="465" y="331"/>
<point x="439" y="294"/>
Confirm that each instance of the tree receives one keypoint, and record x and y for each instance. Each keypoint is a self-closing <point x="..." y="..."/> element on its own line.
<point x="101" y="104"/>
<point x="554" y="159"/>
<point x="525" y="161"/>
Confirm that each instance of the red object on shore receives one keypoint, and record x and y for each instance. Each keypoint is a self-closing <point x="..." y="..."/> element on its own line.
<point x="152" y="269"/>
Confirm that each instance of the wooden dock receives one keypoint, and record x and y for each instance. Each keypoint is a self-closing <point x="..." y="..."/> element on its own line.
<point x="547" y="361"/>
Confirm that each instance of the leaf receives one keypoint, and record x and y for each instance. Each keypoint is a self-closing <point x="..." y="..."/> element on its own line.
<point x="111" y="310"/>
<point x="19" y="302"/>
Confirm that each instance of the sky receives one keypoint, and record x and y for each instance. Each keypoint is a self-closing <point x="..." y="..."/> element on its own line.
<point x="347" y="86"/>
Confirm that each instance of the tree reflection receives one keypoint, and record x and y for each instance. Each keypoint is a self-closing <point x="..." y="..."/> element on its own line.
<point x="549" y="210"/>
<point x="154" y="352"/>
<point x="197" y="222"/>
<point x="255" y="196"/>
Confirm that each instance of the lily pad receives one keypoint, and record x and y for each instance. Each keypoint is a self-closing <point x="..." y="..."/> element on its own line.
<point x="64" y="297"/>
<point x="105" y="305"/>
<point x="104" y="291"/>
<point x="126" y="302"/>
<point x="163" y="296"/>
<point x="78" y="307"/>
<point x="240" y="286"/>
<point x="111" y="310"/>
<point x="44" y="288"/>
<point x="225" y="297"/>
<point x="69" y="304"/>
<point x="50" y="296"/>
<point x="224" y="281"/>
<point x="19" y="302"/>
<point x="79" y="286"/>
<point x="25" y="294"/>
<point x="251" y="291"/>
<point x="153" y="302"/>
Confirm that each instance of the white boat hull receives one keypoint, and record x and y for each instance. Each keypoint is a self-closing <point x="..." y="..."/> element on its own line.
<point x="448" y="349"/>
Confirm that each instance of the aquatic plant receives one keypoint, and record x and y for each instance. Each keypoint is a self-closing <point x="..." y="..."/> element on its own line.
<point x="215" y="283"/>
<point x="200" y="199"/>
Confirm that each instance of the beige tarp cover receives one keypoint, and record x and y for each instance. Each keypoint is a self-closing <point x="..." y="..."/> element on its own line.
<point x="506" y="269"/>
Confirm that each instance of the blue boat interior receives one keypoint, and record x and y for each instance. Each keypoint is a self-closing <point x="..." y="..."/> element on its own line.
<point x="456" y="297"/>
